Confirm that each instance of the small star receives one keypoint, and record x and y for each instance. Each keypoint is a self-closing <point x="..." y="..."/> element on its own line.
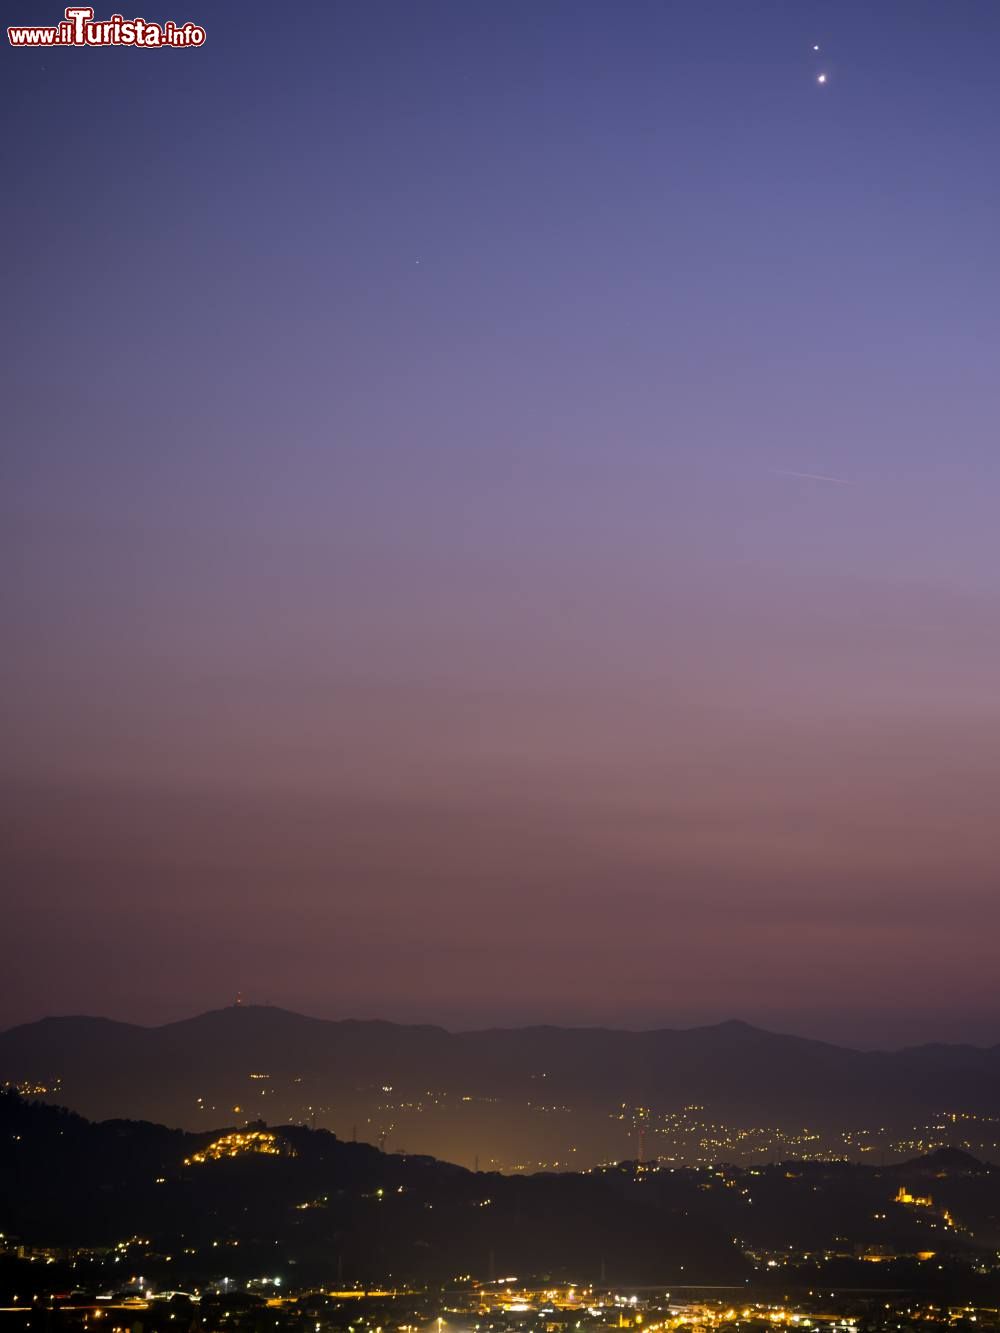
<point x="821" y="78"/>
<point x="815" y="48"/>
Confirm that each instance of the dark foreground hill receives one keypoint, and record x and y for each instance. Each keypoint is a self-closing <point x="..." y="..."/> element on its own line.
<point x="531" y="1097"/>
<point x="298" y="1201"/>
<point x="320" y="1208"/>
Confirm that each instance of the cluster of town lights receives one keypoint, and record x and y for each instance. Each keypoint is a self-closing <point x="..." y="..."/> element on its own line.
<point x="241" y="1142"/>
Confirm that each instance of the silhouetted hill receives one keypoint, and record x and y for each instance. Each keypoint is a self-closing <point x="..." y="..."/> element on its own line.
<point x="531" y="1096"/>
<point x="322" y="1206"/>
<point x="290" y="1198"/>
<point x="946" y="1161"/>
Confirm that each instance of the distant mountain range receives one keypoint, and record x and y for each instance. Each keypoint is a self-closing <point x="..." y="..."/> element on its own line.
<point x="528" y="1097"/>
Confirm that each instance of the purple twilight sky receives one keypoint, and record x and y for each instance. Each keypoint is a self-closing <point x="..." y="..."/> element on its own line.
<point x="413" y="605"/>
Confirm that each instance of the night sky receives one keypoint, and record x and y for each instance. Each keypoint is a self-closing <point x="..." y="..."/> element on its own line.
<point x="412" y="605"/>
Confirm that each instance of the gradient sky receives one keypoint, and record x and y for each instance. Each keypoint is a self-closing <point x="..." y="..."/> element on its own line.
<point x="409" y="609"/>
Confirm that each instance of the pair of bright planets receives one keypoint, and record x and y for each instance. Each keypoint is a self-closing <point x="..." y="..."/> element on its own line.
<point x="820" y="78"/>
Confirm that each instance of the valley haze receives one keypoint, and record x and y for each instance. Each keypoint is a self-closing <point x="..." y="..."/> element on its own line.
<point x="530" y="1098"/>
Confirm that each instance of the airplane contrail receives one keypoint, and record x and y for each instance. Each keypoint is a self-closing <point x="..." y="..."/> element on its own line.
<point x="810" y="476"/>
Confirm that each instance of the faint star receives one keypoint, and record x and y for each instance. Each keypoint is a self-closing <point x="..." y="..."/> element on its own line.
<point x="821" y="78"/>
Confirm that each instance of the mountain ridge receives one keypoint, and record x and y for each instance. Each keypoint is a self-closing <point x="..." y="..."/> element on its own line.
<point x="530" y="1095"/>
<point x="728" y="1024"/>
